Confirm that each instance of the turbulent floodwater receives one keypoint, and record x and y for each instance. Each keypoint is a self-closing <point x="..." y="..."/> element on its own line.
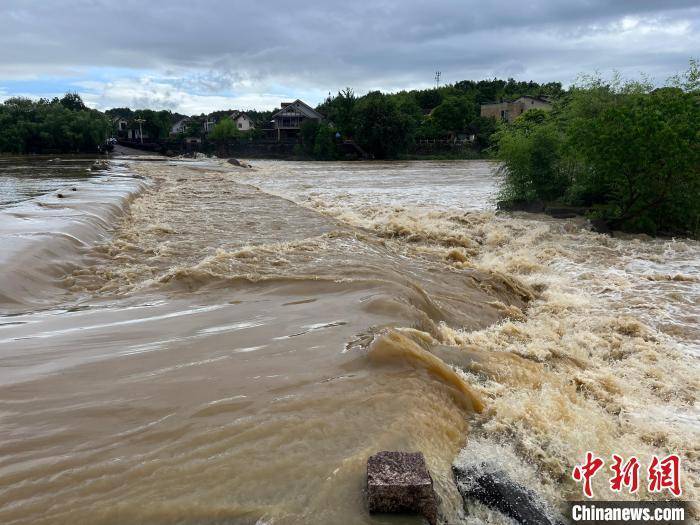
<point x="190" y="342"/>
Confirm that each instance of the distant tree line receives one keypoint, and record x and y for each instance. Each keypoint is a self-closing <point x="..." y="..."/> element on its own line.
<point x="388" y="125"/>
<point x="627" y="151"/>
<point x="62" y="125"/>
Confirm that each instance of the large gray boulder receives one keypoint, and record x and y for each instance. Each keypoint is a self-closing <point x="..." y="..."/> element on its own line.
<point x="400" y="482"/>
<point x="491" y="486"/>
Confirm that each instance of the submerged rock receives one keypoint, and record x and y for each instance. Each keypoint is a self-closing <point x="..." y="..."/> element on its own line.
<point x="491" y="486"/>
<point x="400" y="482"/>
<point x="239" y="163"/>
<point x="99" y="165"/>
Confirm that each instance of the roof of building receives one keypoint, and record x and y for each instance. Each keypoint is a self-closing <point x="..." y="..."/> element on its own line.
<point x="543" y="99"/>
<point x="300" y="107"/>
<point x="238" y="114"/>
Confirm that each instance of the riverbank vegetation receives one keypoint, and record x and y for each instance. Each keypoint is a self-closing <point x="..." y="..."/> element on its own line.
<point x="62" y="125"/>
<point x="626" y="151"/>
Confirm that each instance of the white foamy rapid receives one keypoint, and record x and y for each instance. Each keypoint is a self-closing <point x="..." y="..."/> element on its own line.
<point x="605" y="358"/>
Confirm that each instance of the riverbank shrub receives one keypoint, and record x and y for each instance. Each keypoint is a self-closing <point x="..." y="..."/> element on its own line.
<point x="225" y="129"/>
<point x="626" y="150"/>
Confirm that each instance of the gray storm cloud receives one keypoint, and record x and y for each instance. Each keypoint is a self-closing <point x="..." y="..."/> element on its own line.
<point x="215" y="47"/>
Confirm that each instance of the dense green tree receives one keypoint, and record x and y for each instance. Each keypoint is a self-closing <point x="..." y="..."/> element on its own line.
<point x="408" y="106"/>
<point x="125" y="113"/>
<point x="309" y="130"/>
<point x="428" y="129"/>
<point x="628" y="151"/>
<point x="318" y="140"/>
<point x="380" y="128"/>
<point x="483" y="129"/>
<point x="642" y="153"/>
<point x="156" y="124"/>
<point x="530" y="157"/>
<point x="73" y="102"/>
<point x="261" y="119"/>
<point x="428" y="99"/>
<point x="339" y="110"/>
<point x="42" y="126"/>
<point x="324" y="143"/>
<point x="453" y="114"/>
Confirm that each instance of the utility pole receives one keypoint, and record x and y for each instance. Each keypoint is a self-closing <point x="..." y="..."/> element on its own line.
<point x="437" y="79"/>
<point x="140" y="121"/>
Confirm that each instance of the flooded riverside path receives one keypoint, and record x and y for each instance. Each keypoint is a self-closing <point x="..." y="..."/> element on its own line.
<point x="244" y="339"/>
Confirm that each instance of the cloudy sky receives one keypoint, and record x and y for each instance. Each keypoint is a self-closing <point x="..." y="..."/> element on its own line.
<point x="201" y="55"/>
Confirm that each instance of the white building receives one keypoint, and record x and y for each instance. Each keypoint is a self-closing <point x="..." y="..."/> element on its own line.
<point x="242" y="120"/>
<point x="121" y="123"/>
<point x="511" y="109"/>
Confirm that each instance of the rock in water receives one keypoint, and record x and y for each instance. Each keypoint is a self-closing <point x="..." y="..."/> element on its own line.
<point x="239" y="163"/>
<point x="99" y="165"/>
<point x="400" y="482"/>
<point x="492" y="487"/>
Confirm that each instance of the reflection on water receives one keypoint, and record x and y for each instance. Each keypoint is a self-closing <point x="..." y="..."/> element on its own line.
<point x="247" y="338"/>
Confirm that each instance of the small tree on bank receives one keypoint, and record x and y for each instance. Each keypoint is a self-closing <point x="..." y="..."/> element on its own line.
<point x="225" y="129"/>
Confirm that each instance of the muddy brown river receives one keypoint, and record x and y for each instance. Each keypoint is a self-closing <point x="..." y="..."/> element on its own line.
<point x="190" y="342"/>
